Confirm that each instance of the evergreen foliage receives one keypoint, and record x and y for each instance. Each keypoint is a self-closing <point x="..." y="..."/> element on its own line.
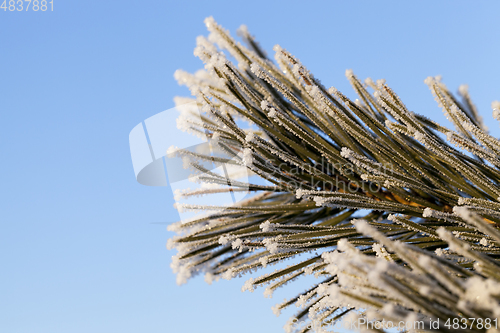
<point x="396" y="215"/>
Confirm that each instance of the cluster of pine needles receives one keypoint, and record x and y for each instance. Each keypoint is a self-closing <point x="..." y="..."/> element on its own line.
<point x="395" y="215"/>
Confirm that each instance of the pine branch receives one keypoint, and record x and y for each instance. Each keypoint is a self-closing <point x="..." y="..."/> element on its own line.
<point x="397" y="215"/>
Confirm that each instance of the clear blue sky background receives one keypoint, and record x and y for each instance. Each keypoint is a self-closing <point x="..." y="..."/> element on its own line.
<point x="79" y="250"/>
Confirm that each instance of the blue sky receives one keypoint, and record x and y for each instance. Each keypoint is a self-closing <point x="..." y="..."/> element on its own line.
<point x="81" y="249"/>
